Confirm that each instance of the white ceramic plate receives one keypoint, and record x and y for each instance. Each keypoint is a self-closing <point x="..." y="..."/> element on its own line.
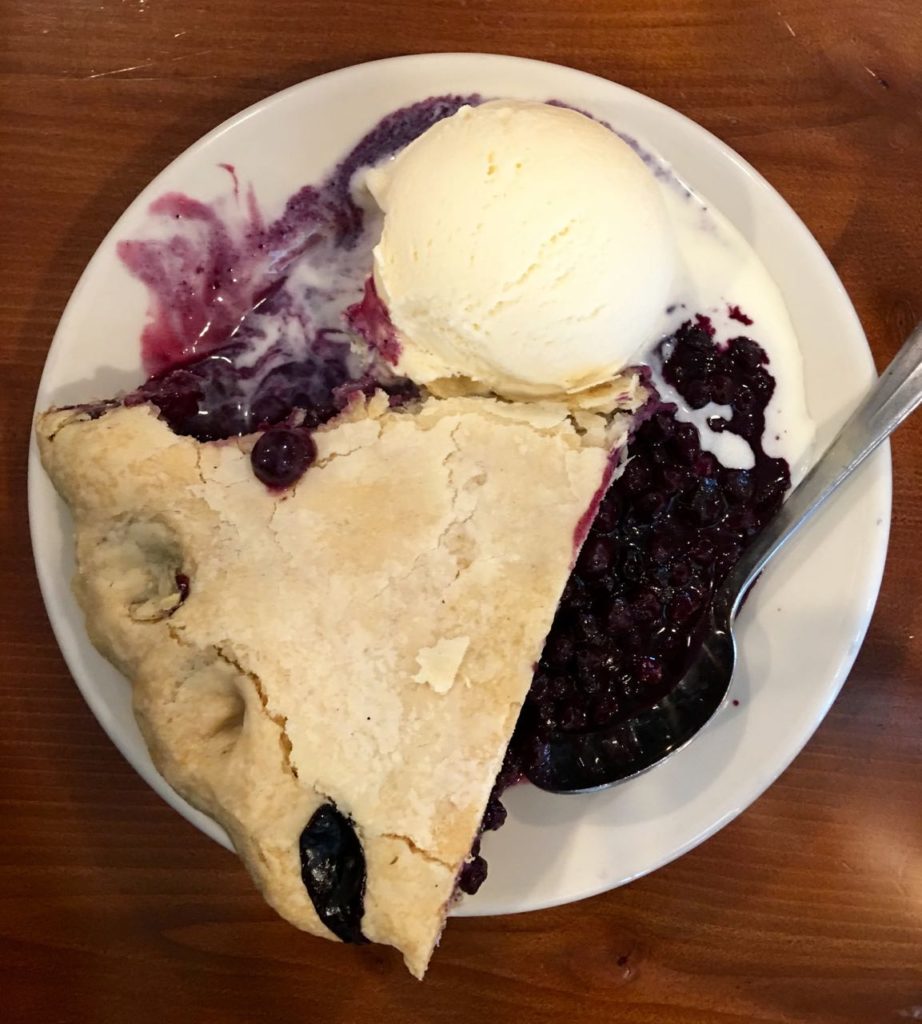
<point x="799" y="633"/>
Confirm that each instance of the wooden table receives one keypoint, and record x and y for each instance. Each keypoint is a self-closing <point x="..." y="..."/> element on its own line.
<point x="808" y="908"/>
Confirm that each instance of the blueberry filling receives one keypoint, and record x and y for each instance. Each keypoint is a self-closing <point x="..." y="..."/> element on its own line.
<point x="666" y="534"/>
<point x="333" y="872"/>
<point x="215" y="397"/>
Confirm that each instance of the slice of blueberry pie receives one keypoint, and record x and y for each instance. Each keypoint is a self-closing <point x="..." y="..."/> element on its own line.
<point x="333" y="671"/>
<point x="327" y="538"/>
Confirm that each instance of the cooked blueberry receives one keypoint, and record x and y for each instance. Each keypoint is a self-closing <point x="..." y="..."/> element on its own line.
<point x="282" y="455"/>
<point x="684" y="604"/>
<point x="649" y="670"/>
<point x="635" y="479"/>
<point x="473" y="875"/>
<point x="333" y="872"/>
<point x="680" y="573"/>
<point x="495" y="815"/>
<point x="632" y="567"/>
<point x="560" y="686"/>
<point x="747" y="354"/>
<point x="573" y="717"/>
<point x="619" y="616"/>
<point x="597" y="556"/>
<point x="723" y="389"/>
<point x="675" y="477"/>
<point x="591" y="664"/>
<point x="651" y="504"/>
<point x="702" y="550"/>
<point x="684" y="442"/>
<point x="697" y="394"/>
<point x="604" y="709"/>
<point x="708" y="503"/>
<point x="559" y="650"/>
<point x="745" y="400"/>
<point x="646" y="606"/>
<point x="588" y="627"/>
<point x="607" y="518"/>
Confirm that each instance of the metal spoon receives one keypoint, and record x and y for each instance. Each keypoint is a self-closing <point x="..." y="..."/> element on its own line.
<point x="582" y="763"/>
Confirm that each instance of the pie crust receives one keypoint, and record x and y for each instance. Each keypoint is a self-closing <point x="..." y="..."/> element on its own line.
<point x="364" y="638"/>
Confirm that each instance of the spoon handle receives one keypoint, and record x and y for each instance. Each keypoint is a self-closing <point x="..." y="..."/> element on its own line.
<point x="895" y="395"/>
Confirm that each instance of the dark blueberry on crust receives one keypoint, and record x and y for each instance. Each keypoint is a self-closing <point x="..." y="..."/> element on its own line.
<point x="333" y="872"/>
<point x="282" y="456"/>
<point x="474" y="872"/>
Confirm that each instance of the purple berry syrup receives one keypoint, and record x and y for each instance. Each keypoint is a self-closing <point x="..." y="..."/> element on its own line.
<point x="233" y="345"/>
<point x="234" y="340"/>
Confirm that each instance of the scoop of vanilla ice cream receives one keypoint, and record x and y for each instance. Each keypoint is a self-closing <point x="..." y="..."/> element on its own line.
<point x="525" y="247"/>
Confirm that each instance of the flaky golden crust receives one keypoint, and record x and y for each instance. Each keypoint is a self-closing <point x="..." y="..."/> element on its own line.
<point x="366" y="637"/>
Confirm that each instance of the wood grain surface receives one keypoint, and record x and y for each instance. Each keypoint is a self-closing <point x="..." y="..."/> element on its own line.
<point x="808" y="908"/>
